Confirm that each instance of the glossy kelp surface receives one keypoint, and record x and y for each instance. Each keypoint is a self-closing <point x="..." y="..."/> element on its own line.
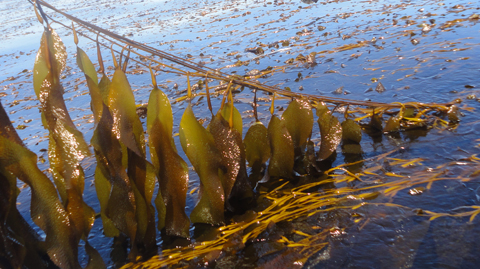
<point x="264" y="224"/>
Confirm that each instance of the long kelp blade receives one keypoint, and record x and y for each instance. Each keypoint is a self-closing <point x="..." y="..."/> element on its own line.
<point x="92" y="81"/>
<point x="121" y="102"/>
<point x="46" y="209"/>
<point x="282" y="148"/>
<point x="298" y="118"/>
<point x="234" y="179"/>
<point x="49" y="64"/>
<point x="171" y="169"/>
<point x="117" y="198"/>
<point x="12" y="249"/>
<point x="103" y="178"/>
<point x="66" y="145"/>
<point x="129" y="131"/>
<point x="199" y="146"/>
<point x="103" y="186"/>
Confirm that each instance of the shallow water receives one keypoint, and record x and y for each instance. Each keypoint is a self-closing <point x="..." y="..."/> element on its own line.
<point x="422" y="51"/>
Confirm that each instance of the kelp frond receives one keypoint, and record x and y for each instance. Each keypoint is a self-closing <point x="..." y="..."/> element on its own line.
<point x="289" y="204"/>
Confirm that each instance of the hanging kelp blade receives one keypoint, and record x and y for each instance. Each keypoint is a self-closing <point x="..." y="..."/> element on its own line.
<point x="129" y="131"/>
<point x="103" y="184"/>
<point x="298" y="118"/>
<point x="49" y="64"/>
<point x="92" y="81"/>
<point x="171" y="169"/>
<point x="66" y="145"/>
<point x="19" y="248"/>
<point x="116" y="195"/>
<point x="351" y="132"/>
<point x="127" y="125"/>
<point x="330" y="131"/>
<point x="257" y="145"/>
<point x="199" y="146"/>
<point x="282" y="148"/>
<point x="234" y="179"/>
<point x="46" y="209"/>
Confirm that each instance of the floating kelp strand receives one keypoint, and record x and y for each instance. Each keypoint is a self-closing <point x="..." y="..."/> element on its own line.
<point x="293" y="203"/>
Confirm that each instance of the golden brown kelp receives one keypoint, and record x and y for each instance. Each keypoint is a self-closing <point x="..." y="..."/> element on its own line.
<point x="119" y="168"/>
<point x="257" y="149"/>
<point x="199" y="146"/>
<point x="119" y="203"/>
<point x="257" y="146"/>
<point x="351" y="132"/>
<point x="289" y="204"/>
<point x="123" y="178"/>
<point x="21" y="246"/>
<point x="171" y="169"/>
<point x="46" y="209"/>
<point x="66" y="145"/>
<point x="282" y="148"/>
<point x="227" y="139"/>
<point x="102" y="143"/>
<point x="330" y="131"/>
<point x="298" y="118"/>
<point x="129" y="131"/>
<point x="103" y="181"/>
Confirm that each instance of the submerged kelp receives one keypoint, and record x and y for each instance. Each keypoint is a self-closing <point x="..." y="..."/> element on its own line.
<point x="288" y="208"/>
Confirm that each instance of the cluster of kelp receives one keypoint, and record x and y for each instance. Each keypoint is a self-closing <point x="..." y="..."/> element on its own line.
<point x="351" y="204"/>
<point x="125" y="180"/>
